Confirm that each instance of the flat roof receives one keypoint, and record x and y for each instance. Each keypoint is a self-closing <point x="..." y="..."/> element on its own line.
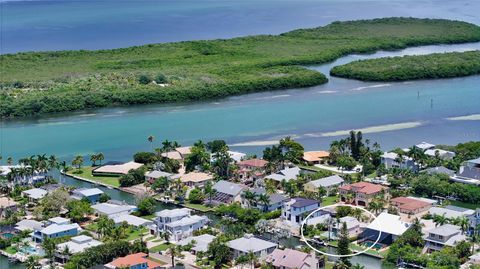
<point x="388" y="223"/>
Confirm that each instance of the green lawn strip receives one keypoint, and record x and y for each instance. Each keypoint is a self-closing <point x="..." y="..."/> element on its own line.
<point x="92" y="227"/>
<point x="150" y="238"/>
<point x="155" y="260"/>
<point x="11" y="250"/>
<point x="330" y="200"/>
<point x="86" y="172"/>
<point x="199" y="207"/>
<point x="463" y="204"/>
<point x="46" y="82"/>
<point x="157" y="240"/>
<point x="161" y="247"/>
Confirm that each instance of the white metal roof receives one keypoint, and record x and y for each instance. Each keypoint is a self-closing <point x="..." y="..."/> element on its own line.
<point x="388" y="223"/>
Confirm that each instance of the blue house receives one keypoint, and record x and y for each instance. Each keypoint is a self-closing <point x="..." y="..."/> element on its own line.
<point x="92" y="195"/>
<point x="56" y="227"/>
<point x="297" y="209"/>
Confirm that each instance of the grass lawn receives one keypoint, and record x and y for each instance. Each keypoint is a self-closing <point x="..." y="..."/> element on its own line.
<point x="86" y="172"/>
<point x="199" y="207"/>
<point x="157" y="240"/>
<point x="329" y="265"/>
<point x="136" y="233"/>
<point x="150" y="238"/>
<point x="92" y="227"/>
<point x="155" y="260"/>
<point x="11" y="250"/>
<point x="330" y="200"/>
<point x="161" y="247"/>
<point x="465" y="205"/>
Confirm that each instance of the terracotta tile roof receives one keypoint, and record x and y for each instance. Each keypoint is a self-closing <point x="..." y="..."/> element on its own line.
<point x="312" y="156"/>
<point x="253" y="162"/>
<point x="363" y="187"/>
<point x="409" y="203"/>
<point x="134" y="259"/>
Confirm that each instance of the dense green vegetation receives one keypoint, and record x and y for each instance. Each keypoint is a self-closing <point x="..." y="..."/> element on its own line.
<point x="47" y="82"/>
<point x="436" y="65"/>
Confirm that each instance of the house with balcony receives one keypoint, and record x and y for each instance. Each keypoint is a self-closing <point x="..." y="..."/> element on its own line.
<point x="445" y="235"/>
<point x="296" y="210"/>
<point x="251" y="170"/>
<point x="250" y="244"/>
<point x="178" y="223"/>
<point x="361" y="193"/>
<point x="56" y="227"/>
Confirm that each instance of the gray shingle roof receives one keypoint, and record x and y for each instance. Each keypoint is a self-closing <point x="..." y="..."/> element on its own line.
<point x="250" y="243"/>
<point x="327" y="181"/>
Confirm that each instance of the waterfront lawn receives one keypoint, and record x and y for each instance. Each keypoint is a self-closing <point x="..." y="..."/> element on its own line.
<point x="46" y="82"/>
<point x="199" y="207"/>
<point x="11" y="250"/>
<point x="92" y="227"/>
<point x="86" y="172"/>
<point x="161" y="247"/>
<point x="463" y="204"/>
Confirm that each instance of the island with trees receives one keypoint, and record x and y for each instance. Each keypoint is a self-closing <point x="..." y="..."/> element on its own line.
<point x="36" y="83"/>
<point x="431" y="66"/>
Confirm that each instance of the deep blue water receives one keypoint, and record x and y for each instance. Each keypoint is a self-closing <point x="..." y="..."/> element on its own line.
<point x="99" y="24"/>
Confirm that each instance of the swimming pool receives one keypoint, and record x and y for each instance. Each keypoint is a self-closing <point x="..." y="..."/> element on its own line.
<point x="7" y="235"/>
<point x="29" y="250"/>
<point x="372" y="244"/>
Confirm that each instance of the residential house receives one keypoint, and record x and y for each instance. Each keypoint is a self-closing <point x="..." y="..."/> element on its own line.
<point x="469" y="172"/>
<point x="112" y="210"/>
<point x="178" y="154"/>
<point x="178" y="223"/>
<point x="251" y="169"/>
<point x="76" y="244"/>
<point x="410" y="206"/>
<point x="439" y="170"/>
<point x="297" y="209"/>
<point x="316" y="157"/>
<point x="227" y="192"/>
<point x="34" y="195"/>
<point x="250" y="244"/>
<point x="199" y="243"/>
<point x="293" y="259"/>
<point x="474" y="221"/>
<point x="442" y="154"/>
<point x="20" y="178"/>
<point x="196" y="179"/>
<point x="445" y="235"/>
<point x="134" y="261"/>
<point x="132" y="220"/>
<point x="390" y="160"/>
<point x="425" y="146"/>
<point x="115" y="168"/>
<point x="7" y="205"/>
<point x="287" y="174"/>
<point x="237" y="156"/>
<point x="451" y="212"/>
<point x="92" y="194"/>
<point x="362" y="192"/>
<point x="354" y="226"/>
<point x="330" y="184"/>
<point x="390" y="226"/>
<point x="276" y="200"/>
<point x="152" y="176"/>
<point x="28" y="225"/>
<point x="56" y="227"/>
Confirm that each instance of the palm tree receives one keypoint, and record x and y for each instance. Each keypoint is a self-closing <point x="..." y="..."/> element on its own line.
<point x="376" y="206"/>
<point x="172" y="251"/>
<point x="358" y="266"/>
<point x="10" y="161"/>
<point x="66" y="253"/>
<point x="150" y="139"/>
<point x="270" y="186"/>
<point x="209" y="191"/>
<point x="32" y="262"/>
<point x="264" y="199"/>
<point x="440" y="220"/>
<point x="93" y="159"/>
<point x="100" y="157"/>
<point x="251" y="197"/>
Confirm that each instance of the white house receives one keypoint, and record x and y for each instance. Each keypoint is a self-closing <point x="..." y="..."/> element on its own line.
<point x="445" y="235"/>
<point x="328" y="183"/>
<point x="201" y="242"/>
<point x="76" y="244"/>
<point x="442" y="154"/>
<point x="389" y="160"/>
<point x="35" y="194"/>
<point x="248" y="243"/>
<point x="390" y="226"/>
<point x="178" y="223"/>
<point x="286" y="174"/>
<point x="113" y="210"/>
<point x="132" y="220"/>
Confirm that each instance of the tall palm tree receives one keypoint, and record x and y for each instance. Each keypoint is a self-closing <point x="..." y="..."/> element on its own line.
<point x="172" y="251"/>
<point x="150" y="139"/>
<point x="100" y="157"/>
<point x="10" y="161"/>
<point x="358" y="266"/>
<point x="93" y="159"/>
<point x="250" y="197"/>
<point x="264" y="199"/>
